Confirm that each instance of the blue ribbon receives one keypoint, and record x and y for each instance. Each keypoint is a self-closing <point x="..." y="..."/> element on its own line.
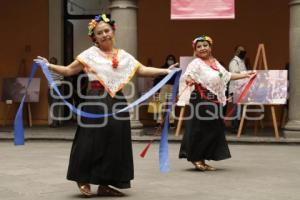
<point x="163" y="150"/>
<point x="18" y="123"/>
<point x="163" y="147"/>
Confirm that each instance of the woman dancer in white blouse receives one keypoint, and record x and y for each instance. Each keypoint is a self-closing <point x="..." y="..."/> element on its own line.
<point x="204" y="137"/>
<point x="102" y="151"/>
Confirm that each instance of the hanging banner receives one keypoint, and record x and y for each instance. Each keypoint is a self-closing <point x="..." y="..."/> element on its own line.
<point x="202" y="9"/>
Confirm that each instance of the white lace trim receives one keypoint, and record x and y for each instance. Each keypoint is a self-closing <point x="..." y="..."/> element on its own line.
<point x="100" y="68"/>
<point x="203" y="74"/>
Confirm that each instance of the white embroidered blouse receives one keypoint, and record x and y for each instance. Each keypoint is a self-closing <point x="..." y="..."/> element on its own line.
<point x="99" y="67"/>
<point x="209" y="78"/>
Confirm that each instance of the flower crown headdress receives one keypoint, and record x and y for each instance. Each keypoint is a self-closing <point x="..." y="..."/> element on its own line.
<point x="98" y="18"/>
<point x="202" y="38"/>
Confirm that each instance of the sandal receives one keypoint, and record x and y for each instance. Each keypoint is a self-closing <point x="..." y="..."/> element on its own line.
<point x="199" y="166"/>
<point x="106" y="191"/>
<point x="85" y="189"/>
<point x="209" y="168"/>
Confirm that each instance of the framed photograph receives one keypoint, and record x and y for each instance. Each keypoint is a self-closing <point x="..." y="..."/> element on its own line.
<point x="269" y="87"/>
<point x="14" y="89"/>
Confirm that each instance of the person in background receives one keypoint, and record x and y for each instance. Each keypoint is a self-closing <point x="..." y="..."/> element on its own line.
<point x="164" y="94"/>
<point x="54" y="110"/>
<point x="170" y="60"/>
<point x="236" y="65"/>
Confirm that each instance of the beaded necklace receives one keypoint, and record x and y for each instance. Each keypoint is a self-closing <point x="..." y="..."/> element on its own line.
<point x="212" y="65"/>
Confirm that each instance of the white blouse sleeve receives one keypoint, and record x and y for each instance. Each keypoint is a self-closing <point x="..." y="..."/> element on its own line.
<point x="192" y="70"/>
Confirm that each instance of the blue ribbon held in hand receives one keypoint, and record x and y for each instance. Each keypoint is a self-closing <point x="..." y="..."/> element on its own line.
<point x="163" y="152"/>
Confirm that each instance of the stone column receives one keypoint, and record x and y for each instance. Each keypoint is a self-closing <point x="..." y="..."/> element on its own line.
<point x="56" y="34"/>
<point x="292" y="128"/>
<point x="56" y="31"/>
<point x="124" y="12"/>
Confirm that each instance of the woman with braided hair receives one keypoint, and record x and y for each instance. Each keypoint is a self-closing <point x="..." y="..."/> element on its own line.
<point x="204" y="137"/>
<point x="101" y="153"/>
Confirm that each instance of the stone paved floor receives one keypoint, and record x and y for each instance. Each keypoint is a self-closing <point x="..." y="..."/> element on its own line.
<point x="255" y="172"/>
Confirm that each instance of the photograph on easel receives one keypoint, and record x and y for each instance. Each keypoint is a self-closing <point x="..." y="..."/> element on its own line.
<point x="14" y="89"/>
<point x="269" y="87"/>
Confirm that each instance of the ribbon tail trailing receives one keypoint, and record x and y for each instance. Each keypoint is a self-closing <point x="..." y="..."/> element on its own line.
<point x="163" y="147"/>
<point x="18" y="122"/>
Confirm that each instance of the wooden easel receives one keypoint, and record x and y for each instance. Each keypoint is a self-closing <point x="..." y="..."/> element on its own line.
<point x="260" y="61"/>
<point x="29" y="115"/>
<point x="179" y="124"/>
<point x="7" y="111"/>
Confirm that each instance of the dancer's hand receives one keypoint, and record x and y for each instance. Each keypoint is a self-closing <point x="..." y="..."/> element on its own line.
<point x="172" y="67"/>
<point x="189" y="81"/>
<point x="40" y="58"/>
<point x="249" y="74"/>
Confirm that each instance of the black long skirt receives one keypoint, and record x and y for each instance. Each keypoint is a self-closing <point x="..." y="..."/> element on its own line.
<point x="204" y="135"/>
<point x="102" y="155"/>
